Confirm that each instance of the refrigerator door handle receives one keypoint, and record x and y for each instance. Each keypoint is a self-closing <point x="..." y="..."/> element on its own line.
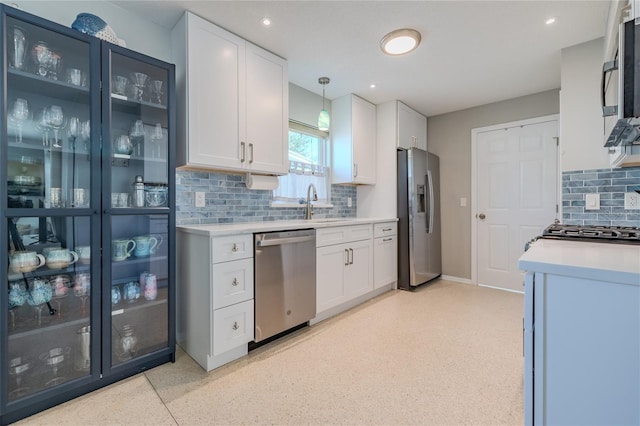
<point x="429" y="207"/>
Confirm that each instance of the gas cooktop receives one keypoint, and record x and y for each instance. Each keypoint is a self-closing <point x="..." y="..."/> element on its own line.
<point x="605" y="234"/>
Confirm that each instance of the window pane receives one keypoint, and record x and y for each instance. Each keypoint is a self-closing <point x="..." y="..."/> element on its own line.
<point x="304" y="148"/>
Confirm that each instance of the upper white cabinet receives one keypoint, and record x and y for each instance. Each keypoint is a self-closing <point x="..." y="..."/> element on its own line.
<point x="353" y="128"/>
<point x="411" y="127"/>
<point x="232" y="101"/>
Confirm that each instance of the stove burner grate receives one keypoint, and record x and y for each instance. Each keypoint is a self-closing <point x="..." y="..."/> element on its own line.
<point x="621" y="234"/>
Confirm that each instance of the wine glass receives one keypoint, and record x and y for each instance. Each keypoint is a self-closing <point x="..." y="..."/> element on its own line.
<point x="128" y="342"/>
<point x="39" y="294"/>
<point x="136" y="135"/>
<point x="55" y="66"/>
<point x="82" y="288"/>
<point x="139" y="80"/>
<point x="156" y="89"/>
<point x="55" y="358"/>
<point x="42" y="124"/>
<point x="17" y="368"/>
<point x="19" y="114"/>
<point x="55" y="120"/>
<point x="17" y="298"/>
<point x="85" y="134"/>
<point x="17" y="47"/>
<point x="73" y="130"/>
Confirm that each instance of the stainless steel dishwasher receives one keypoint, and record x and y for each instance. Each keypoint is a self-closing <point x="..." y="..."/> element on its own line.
<point x="285" y="281"/>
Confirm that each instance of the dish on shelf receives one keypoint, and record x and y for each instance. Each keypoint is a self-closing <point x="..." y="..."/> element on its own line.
<point x="24" y="180"/>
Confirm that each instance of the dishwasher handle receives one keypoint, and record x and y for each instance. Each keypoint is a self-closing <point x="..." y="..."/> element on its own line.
<point x="287" y="240"/>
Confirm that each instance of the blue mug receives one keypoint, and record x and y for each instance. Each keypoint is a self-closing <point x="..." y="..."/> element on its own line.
<point x="145" y="245"/>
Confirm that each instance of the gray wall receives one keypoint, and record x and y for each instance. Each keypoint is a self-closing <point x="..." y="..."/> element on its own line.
<point x="449" y="137"/>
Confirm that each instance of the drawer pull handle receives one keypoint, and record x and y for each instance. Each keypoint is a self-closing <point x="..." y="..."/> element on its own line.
<point x="234" y="248"/>
<point x="387" y="229"/>
<point x="235" y="325"/>
<point x="235" y="282"/>
<point x="387" y="239"/>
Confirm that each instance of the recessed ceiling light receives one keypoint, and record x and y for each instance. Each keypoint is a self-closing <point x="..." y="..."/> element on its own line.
<point x="400" y="42"/>
<point x="266" y="22"/>
<point x="550" y="21"/>
<point x="373" y="86"/>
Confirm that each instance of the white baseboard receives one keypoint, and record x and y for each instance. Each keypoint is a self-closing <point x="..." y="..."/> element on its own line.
<point x="503" y="289"/>
<point x="456" y="279"/>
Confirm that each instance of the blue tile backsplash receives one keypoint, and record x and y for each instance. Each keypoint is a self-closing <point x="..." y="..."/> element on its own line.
<point x="611" y="184"/>
<point x="229" y="201"/>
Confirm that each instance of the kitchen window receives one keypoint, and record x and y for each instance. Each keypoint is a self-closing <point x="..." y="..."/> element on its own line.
<point x="308" y="163"/>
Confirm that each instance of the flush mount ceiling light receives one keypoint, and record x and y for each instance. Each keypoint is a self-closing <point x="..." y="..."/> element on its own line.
<point x="401" y="41"/>
<point x="550" y="21"/>
<point x="266" y="21"/>
<point x="324" y="120"/>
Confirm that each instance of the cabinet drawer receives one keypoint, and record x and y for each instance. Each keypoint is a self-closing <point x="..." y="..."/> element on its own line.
<point x="232" y="282"/>
<point x="384" y="229"/>
<point x="342" y="234"/>
<point x="233" y="247"/>
<point x="232" y="327"/>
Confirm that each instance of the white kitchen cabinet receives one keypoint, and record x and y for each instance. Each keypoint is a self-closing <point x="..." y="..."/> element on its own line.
<point x="385" y="254"/>
<point x="215" y="314"/>
<point x="344" y="266"/>
<point x="234" y="101"/>
<point x="353" y="134"/>
<point x="411" y="128"/>
<point x="581" y="333"/>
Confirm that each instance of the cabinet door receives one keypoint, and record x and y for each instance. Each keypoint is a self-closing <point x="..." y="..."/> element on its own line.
<point x="49" y="211"/>
<point x="406" y="136"/>
<point x="385" y="265"/>
<point x="358" y="278"/>
<point x="364" y="141"/>
<point x="412" y="128"/>
<point x="267" y="112"/>
<point x="331" y="262"/>
<point x="138" y="225"/>
<point x="216" y="93"/>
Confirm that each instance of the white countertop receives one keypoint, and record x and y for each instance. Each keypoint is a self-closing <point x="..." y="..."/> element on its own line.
<point x="609" y="262"/>
<point x="283" y="225"/>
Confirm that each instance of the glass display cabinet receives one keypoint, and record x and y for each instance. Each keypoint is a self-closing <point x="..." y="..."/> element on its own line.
<point x="87" y="164"/>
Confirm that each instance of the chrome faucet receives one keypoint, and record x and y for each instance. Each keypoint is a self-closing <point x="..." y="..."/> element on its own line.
<point x="315" y="198"/>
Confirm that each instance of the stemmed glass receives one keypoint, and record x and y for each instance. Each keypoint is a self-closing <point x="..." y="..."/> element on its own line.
<point x="139" y="81"/>
<point x="55" y="120"/>
<point x="39" y="294"/>
<point x="17" y="298"/>
<point x="136" y="135"/>
<point x="85" y="134"/>
<point x="17" y="367"/>
<point x="42" y="125"/>
<point x="156" y="89"/>
<point x="19" y="114"/>
<point x="73" y="131"/>
<point x="55" y="358"/>
<point x="42" y="56"/>
<point x="81" y="288"/>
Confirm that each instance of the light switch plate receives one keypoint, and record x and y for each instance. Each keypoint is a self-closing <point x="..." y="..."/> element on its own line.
<point x="200" y="199"/>
<point x="592" y="202"/>
<point x="631" y="201"/>
<point x="463" y="201"/>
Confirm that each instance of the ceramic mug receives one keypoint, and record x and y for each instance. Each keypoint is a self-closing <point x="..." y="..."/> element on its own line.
<point x="84" y="253"/>
<point x="121" y="250"/>
<point x="61" y="258"/>
<point x="25" y="261"/>
<point x="145" y="245"/>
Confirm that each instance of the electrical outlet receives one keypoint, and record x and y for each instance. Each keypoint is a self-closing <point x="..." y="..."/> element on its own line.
<point x="592" y="202"/>
<point x="200" y="199"/>
<point x="631" y="201"/>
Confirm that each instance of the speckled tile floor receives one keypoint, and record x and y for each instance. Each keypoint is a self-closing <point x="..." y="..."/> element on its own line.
<point x="446" y="354"/>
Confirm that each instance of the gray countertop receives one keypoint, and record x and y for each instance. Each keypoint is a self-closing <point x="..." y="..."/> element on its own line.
<point x="253" y="227"/>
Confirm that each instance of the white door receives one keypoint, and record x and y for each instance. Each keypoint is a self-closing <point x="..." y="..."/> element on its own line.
<point x="516" y="176"/>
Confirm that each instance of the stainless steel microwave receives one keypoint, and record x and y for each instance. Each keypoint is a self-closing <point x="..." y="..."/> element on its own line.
<point x="621" y="89"/>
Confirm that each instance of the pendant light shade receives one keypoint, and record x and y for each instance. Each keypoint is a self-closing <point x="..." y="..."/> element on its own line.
<point x="324" y="121"/>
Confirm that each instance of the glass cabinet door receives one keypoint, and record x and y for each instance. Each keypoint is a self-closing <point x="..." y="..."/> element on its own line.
<point x="138" y="193"/>
<point x="47" y="160"/>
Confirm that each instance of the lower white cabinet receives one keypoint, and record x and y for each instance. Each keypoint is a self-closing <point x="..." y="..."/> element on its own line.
<point x="385" y="254"/>
<point x="344" y="268"/>
<point x="215" y="296"/>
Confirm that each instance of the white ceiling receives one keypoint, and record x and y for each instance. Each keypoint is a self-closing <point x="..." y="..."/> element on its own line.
<point x="472" y="52"/>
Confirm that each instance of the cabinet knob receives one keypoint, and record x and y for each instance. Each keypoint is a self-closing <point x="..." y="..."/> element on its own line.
<point x="235" y="282"/>
<point x="482" y="216"/>
<point x="234" y="248"/>
<point x="235" y="325"/>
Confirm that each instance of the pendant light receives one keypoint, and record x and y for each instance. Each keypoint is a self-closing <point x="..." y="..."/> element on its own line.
<point x="323" y="118"/>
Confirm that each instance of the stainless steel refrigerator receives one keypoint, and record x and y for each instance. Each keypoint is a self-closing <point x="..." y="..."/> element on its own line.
<point x="419" y="238"/>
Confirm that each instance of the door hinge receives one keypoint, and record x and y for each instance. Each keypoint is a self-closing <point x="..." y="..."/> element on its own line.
<point x="557" y="209"/>
<point x="557" y="140"/>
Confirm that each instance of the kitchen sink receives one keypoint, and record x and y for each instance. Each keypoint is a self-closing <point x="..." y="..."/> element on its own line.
<point x="331" y="219"/>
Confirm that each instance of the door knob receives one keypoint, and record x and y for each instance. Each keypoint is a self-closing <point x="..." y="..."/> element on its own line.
<point x="481" y="216"/>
